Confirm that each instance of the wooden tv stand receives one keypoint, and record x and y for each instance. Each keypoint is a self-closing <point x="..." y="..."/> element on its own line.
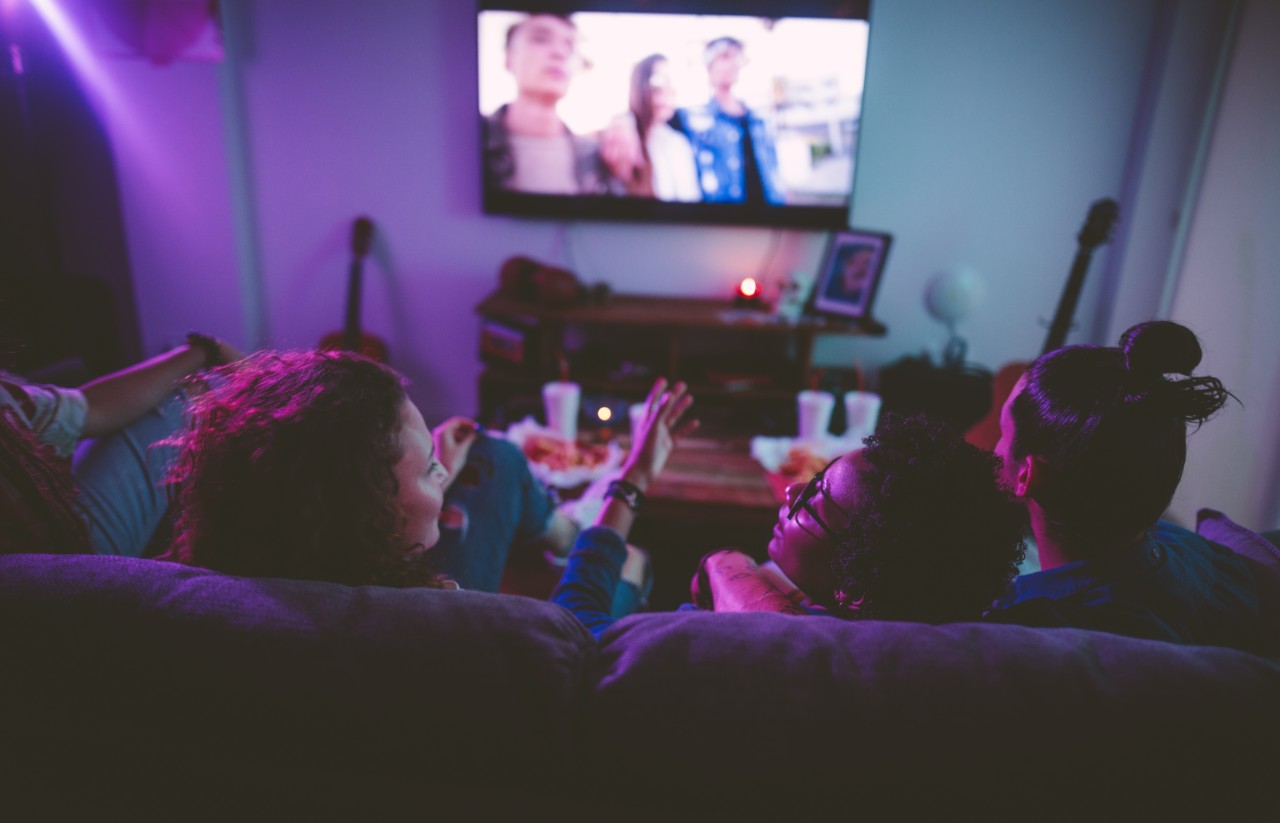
<point x="742" y="366"/>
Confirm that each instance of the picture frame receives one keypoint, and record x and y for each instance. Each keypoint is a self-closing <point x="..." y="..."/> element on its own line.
<point x="850" y="274"/>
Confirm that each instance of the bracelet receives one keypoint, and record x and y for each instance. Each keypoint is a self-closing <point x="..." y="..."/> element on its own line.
<point x="207" y="344"/>
<point x="627" y="492"/>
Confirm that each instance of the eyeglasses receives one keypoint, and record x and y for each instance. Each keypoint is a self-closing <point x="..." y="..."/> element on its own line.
<point x="806" y="495"/>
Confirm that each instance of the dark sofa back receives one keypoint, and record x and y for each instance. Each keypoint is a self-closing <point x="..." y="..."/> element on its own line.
<point x="500" y="706"/>
<point x="768" y="712"/>
<point x="111" y="658"/>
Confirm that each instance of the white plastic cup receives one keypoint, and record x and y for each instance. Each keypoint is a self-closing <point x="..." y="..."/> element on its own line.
<point x="636" y="414"/>
<point x="813" y="413"/>
<point x="861" y="412"/>
<point x="560" y="400"/>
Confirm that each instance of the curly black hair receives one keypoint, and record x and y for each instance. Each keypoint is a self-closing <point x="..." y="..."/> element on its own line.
<point x="287" y="470"/>
<point x="935" y="536"/>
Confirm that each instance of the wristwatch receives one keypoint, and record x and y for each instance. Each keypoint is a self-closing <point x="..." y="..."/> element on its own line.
<point x="627" y="492"/>
<point x="207" y="344"/>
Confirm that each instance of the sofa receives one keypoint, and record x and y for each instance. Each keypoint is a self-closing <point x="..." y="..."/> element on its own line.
<point x="143" y="684"/>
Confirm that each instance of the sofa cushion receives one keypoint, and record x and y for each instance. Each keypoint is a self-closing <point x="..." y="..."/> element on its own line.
<point x="905" y="716"/>
<point x="144" y="662"/>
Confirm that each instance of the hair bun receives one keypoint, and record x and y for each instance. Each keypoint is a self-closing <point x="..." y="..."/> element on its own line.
<point x="1160" y="347"/>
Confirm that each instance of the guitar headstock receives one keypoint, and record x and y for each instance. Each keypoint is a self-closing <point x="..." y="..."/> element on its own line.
<point x="361" y="237"/>
<point x="1096" y="230"/>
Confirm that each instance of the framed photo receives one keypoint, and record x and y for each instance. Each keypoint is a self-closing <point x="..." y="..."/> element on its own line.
<point x="850" y="273"/>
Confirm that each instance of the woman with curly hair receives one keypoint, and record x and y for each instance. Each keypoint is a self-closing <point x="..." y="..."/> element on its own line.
<point x="1094" y="440"/>
<point x="915" y="526"/>
<point x="317" y="466"/>
<point x="308" y="465"/>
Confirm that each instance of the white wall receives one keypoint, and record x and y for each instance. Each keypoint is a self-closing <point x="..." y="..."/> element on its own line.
<point x="1229" y="289"/>
<point x="991" y="125"/>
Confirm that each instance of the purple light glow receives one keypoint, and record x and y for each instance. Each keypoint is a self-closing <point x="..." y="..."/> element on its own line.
<point x="76" y="46"/>
<point x="103" y="93"/>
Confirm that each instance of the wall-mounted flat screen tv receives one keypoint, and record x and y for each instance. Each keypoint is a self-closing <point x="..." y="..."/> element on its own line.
<point x="738" y="111"/>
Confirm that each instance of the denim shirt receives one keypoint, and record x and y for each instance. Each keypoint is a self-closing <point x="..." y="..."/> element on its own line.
<point x="717" y="148"/>
<point x="591" y="577"/>
<point x="1172" y="585"/>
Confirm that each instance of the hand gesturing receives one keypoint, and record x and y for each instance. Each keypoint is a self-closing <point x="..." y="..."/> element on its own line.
<point x="663" y="425"/>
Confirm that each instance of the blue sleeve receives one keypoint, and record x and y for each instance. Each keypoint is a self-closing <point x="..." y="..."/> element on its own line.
<point x="591" y="577"/>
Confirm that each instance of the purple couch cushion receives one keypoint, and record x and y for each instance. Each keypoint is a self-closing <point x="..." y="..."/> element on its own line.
<point x="848" y="714"/>
<point x="144" y="662"/>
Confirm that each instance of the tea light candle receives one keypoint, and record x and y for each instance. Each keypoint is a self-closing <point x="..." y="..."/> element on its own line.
<point x="748" y="294"/>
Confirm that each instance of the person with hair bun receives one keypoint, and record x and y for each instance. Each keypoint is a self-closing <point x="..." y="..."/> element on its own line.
<point x="1093" y="441"/>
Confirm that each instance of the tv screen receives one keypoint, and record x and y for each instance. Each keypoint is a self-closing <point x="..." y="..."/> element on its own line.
<point x="740" y="111"/>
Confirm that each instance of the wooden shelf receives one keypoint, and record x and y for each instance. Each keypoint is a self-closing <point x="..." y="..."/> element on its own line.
<point x="743" y="366"/>
<point x="635" y="389"/>
<point x="673" y="312"/>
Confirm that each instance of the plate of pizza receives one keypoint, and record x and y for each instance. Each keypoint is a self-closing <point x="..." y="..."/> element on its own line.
<point x="788" y="460"/>
<point x="562" y="463"/>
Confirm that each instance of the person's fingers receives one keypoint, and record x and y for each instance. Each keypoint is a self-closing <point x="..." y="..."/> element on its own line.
<point x="651" y="402"/>
<point x="460" y="430"/>
<point x="671" y="400"/>
<point x="686" y="428"/>
<point x="659" y="386"/>
<point x="680" y="405"/>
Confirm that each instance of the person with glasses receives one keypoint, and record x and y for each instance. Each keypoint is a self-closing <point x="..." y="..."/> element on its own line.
<point x="915" y="526"/>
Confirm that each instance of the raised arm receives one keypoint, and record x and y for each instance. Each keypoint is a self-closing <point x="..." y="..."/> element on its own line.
<point x="730" y="581"/>
<point x="117" y="399"/>
<point x="591" y="576"/>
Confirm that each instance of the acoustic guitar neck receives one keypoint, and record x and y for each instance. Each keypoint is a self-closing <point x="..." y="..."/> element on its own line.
<point x="1095" y="232"/>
